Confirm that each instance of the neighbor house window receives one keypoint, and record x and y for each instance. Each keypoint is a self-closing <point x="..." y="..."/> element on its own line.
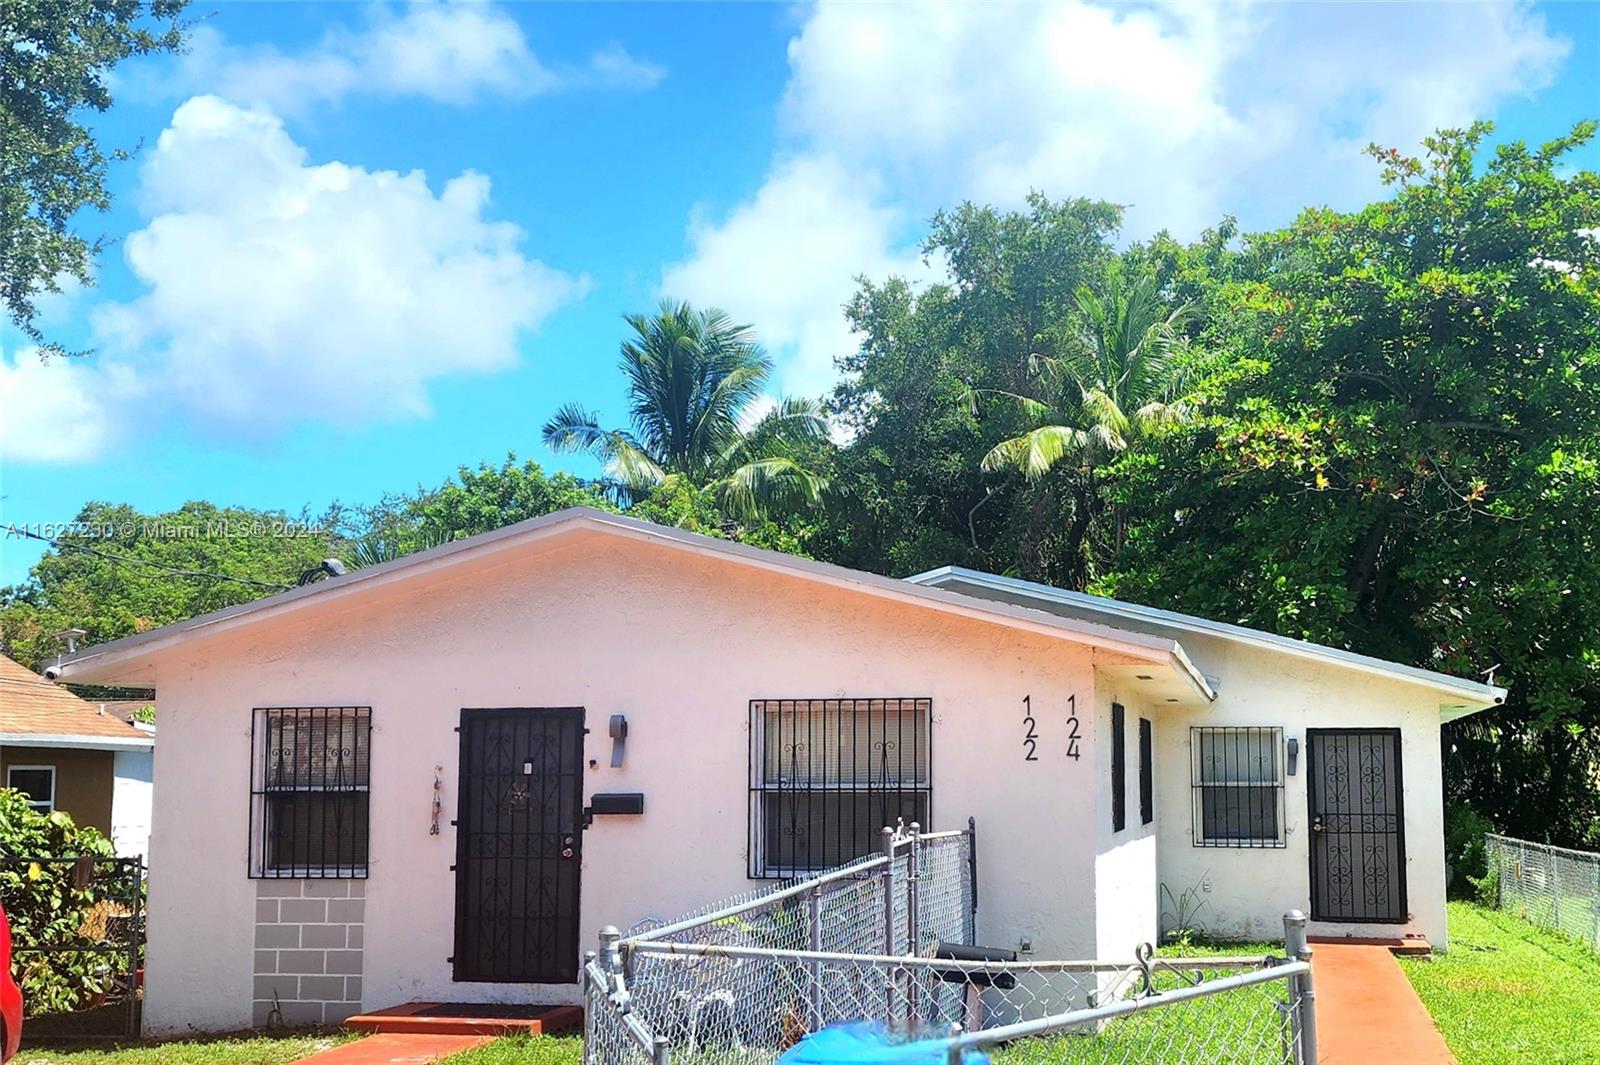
<point x="827" y="775"/>
<point x="1237" y="778"/>
<point x="37" y="782"/>
<point x="310" y="796"/>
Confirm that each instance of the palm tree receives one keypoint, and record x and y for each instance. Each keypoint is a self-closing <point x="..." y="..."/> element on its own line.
<point x="1123" y="382"/>
<point x="1124" y="378"/>
<point x="692" y="379"/>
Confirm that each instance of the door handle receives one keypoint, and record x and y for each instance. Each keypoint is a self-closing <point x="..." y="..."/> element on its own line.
<point x="566" y="852"/>
<point x="1316" y="823"/>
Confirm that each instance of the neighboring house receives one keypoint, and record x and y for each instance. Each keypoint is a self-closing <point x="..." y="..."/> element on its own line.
<point x="773" y="713"/>
<point x="80" y="757"/>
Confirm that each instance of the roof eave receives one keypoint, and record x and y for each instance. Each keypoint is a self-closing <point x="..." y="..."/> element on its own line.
<point x="78" y="742"/>
<point x="118" y="658"/>
<point x="1468" y="697"/>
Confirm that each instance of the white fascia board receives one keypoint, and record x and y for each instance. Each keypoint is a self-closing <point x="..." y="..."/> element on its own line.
<point x="1468" y="696"/>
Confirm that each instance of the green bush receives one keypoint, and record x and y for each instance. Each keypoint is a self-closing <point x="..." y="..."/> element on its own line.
<point x="1487" y="888"/>
<point x="1464" y="854"/>
<point x="55" y="903"/>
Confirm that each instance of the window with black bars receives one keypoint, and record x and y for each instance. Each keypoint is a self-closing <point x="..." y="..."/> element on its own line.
<point x="310" y="791"/>
<point x="1237" y="777"/>
<point x="827" y="775"/>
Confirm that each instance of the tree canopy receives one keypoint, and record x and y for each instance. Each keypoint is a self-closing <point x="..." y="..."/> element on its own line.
<point x="59" y="55"/>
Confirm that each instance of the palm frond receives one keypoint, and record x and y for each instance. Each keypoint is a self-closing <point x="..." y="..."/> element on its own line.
<point x="757" y="489"/>
<point x="1036" y="452"/>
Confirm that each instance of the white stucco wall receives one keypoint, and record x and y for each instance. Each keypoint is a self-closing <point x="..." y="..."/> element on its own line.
<point x="1125" y="880"/>
<point x="132" y="789"/>
<point x="1245" y="891"/>
<point x="679" y="644"/>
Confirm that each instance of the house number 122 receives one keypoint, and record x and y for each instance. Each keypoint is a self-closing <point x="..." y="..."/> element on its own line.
<point x="1030" y="737"/>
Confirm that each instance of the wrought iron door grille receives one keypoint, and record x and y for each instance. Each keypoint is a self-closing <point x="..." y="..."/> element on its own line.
<point x="826" y="775"/>
<point x="1236" y="776"/>
<point x="310" y="791"/>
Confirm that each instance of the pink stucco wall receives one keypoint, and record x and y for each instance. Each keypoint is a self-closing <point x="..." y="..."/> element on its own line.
<point x="680" y="643"/>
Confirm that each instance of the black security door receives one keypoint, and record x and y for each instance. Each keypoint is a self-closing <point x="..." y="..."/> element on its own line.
<point x="1358" y="843"/>
<point x="518" y="841"/>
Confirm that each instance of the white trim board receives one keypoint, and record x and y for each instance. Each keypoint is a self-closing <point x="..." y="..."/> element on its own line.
<point x="1467" y="696"/>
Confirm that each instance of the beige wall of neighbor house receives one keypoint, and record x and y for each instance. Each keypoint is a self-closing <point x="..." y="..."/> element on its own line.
<point x="678" y="642"/>
<point x="1245" y="890"/>
<point x="84" y="780"/>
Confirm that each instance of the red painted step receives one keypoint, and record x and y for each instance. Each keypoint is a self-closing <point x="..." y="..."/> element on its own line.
<point x="468" y="1018"/>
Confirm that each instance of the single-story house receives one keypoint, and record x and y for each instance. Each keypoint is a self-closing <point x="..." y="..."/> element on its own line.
<point x="77" y="756"/>
<point x="437" y="778"/>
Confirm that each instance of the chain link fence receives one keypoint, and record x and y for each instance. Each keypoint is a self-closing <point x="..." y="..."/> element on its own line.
<point x="1551" y="887"/>
<point x="880" y="951"/>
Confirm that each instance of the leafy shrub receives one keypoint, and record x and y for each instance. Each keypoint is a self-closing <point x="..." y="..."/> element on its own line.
<point x="55" y="903"/>
<point x="1487" y="888"/>
<point x="1464" y="854"/>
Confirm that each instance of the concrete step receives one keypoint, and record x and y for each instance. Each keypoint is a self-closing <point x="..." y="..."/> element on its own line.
<point x="468" y="1018"/>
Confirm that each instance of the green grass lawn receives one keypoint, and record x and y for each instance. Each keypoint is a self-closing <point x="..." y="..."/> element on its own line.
<point x="1509" y="993"/>
<point x="524" y="1050"/>
<point x="249" y="1048"/>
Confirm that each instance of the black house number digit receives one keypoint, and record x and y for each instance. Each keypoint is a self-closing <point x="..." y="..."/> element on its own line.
<point x="1072" y="727"/>
<point x="1030" y="738"/>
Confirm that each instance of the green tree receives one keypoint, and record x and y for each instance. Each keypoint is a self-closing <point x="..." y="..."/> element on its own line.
<point x="1122" y="382"/>
<point x="117" y="571"/>
<point x="909" y="491"/>
<point x="1403" y="454"/>
<point x="58" y="57"/>
<point x="692" y="376"/>
<point x="475" y="500"/>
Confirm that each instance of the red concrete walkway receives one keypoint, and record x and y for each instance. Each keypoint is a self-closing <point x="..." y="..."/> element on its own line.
<point x="396" y="1048"/>
<point x="1367" y="1012"/>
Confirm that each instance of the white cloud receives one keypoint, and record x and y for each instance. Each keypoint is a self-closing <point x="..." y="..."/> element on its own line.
<point x="451" y="53"/>
<point x="785" y="261"/>
<point x="1182" y="111"/>
<point x="57" y="411"/>
<point x="278" y="291"/>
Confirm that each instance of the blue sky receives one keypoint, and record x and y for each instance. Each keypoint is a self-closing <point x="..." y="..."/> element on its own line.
<point x="360" y="246"/>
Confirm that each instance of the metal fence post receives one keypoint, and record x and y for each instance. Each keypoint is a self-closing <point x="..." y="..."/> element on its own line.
<point x="913" y="937"/>
<point x="972" y="880"/>
<point x="814" y="941"/>
<point x="135" y="872"/>
<point x="1594" y="908"/>
<point x="1301" y="987"/>
<point x="888" y="920"/>
<point x="610" y="956"/>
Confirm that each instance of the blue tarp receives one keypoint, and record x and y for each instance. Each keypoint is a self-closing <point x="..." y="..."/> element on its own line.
<point x="869" y="1043"/>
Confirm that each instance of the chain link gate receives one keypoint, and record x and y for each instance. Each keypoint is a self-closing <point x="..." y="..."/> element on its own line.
<point x="867" y="945"/>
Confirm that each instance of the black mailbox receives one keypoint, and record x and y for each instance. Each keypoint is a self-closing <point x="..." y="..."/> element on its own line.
<point x="617" y="802"/>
